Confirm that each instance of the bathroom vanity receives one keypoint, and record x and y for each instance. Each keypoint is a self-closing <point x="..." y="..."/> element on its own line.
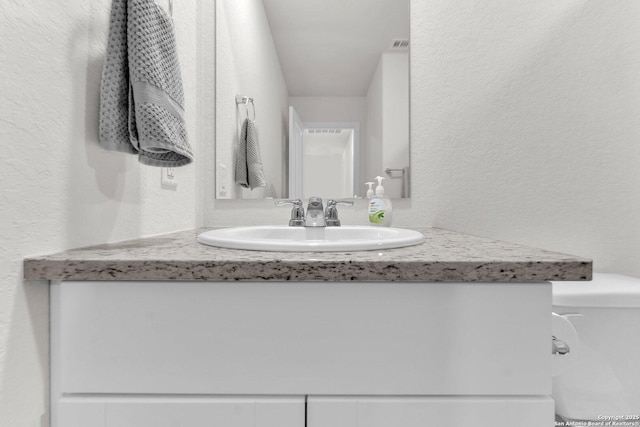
<point x="164" y="331"/>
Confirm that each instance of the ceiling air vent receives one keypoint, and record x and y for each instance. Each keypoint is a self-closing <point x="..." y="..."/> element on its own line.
<point x="324" y="130"/>
<point x="399" y="44"/>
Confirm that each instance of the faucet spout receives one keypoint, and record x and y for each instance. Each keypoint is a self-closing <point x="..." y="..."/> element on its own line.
<point x="315" y="213"/>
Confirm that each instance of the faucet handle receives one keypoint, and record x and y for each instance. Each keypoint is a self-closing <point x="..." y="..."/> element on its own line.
<point x="331" y="214"/>
<point x="297" y="211"/>
<point x="292" y="202"/>
<point x="332" y="202"/>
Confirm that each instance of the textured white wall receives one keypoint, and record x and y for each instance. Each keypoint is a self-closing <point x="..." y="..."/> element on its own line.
<point x="525" y="124"/>
<point x="248" y="65"/>
<point x="59" y="189"/>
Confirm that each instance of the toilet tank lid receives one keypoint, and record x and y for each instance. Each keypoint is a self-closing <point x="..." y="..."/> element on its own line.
<point x="605" y="290"/>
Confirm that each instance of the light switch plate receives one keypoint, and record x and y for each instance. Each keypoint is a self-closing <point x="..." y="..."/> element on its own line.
<point x="168" y="178"/>
<point x="221" y="182"/>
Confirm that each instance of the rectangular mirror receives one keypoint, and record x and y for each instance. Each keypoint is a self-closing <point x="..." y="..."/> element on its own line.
<point x="326" y="83"/>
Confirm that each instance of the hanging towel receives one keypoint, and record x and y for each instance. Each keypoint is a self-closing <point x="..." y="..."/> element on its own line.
<point x="249" y="173"/>
<point x="141" y="98"/>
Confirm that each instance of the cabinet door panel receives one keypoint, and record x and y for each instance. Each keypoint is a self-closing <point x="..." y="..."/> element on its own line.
<point x="180" y="414"/>
<point x="116" y="411"/>
<point x="332" y="412"/>
<point x="78" y="413"/>
<point x="280" y="413"/>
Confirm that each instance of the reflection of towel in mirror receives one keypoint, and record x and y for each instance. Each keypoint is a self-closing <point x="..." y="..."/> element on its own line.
<point x="141" y="97"/>
<point x="249" y="173"/>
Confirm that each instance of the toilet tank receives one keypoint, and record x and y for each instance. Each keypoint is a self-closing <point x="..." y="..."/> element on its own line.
<point x="604" y="379"/>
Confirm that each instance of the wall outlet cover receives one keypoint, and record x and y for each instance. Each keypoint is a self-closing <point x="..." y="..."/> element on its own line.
<point x="168" y="178"/>
<point x="221" y="182"/>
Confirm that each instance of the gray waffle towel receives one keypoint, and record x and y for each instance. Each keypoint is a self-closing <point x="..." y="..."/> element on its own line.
<point x="249" y="173"/>
<point x="141" y="98"/>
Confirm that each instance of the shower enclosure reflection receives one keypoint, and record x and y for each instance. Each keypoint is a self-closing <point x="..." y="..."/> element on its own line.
<point x="341" y="68"/>
<point x="328" y="162"/>
<point x="323" y="158"/>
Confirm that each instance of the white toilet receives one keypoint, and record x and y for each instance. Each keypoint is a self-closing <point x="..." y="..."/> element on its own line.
<point x="600" y="375"/>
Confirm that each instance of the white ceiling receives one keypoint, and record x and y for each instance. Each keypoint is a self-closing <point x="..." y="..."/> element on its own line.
<point x="332" y="47"/>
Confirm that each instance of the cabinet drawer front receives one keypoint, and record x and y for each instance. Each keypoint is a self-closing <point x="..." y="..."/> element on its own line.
<point x="304" y="338"/>
<point x="430" y="411"/>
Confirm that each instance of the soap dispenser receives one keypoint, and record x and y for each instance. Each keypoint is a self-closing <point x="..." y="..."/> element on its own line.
<point x="380" y="209"/>
<point x="370" y="190"/>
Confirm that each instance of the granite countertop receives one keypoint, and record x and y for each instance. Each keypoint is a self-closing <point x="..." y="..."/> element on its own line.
<point x="444" y="256"/>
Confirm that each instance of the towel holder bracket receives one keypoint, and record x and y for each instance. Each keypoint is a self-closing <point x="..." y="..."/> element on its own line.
<point x="246" y="100"/>
<point x="242" y="99"/>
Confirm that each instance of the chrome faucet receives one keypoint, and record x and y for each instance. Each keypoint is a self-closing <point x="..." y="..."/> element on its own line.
<point x="331" y="214"/>
<point x="315" y="213"/>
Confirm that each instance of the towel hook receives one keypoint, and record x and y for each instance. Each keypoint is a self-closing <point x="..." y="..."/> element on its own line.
<point x="253" y="106"/>
<point x="171" y="8"/>
<point x="241" y="99"/>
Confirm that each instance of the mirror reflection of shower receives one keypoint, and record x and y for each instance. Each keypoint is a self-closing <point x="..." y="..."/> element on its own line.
<point x="323" y="159"/>
<point x="328" y="162"/>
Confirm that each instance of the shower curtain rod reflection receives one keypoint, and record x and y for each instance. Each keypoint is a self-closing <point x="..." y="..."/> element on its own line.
<point x="242" y="99"/>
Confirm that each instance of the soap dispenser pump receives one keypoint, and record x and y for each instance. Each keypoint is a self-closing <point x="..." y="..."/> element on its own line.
<point x="380" y="208"/>
<point x="379" y="188"/>
<point x="370" y="190"/>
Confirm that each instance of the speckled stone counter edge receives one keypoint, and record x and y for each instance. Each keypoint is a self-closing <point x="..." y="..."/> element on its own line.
<point x="446" y="256"/>
<point x="279" y="271"/>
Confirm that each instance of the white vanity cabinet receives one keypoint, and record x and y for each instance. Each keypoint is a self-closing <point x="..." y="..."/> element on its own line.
<point x="290" y="354"/>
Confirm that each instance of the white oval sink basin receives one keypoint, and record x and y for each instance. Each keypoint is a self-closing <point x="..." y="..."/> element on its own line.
<point x="311" y="239"/>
